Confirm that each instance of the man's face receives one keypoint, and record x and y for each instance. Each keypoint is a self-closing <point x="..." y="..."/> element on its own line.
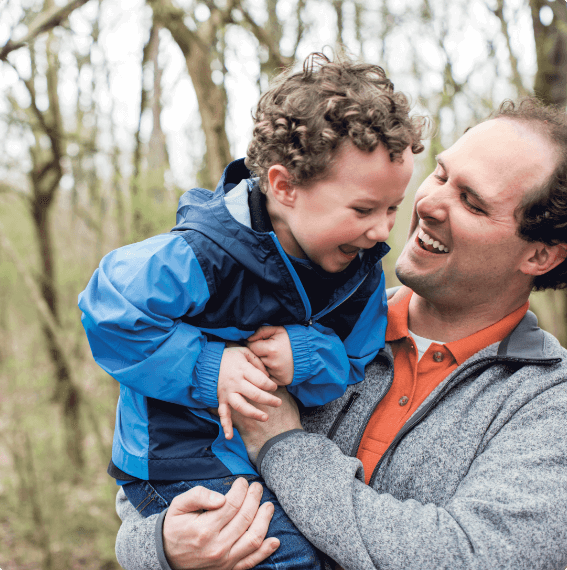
<point x="352" y="209"/>
<point x="466" y="208"/>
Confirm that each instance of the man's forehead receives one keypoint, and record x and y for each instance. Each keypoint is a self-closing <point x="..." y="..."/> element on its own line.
<point x="501" y="154"/>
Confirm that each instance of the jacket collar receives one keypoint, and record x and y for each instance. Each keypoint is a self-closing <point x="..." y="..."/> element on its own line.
<point x="526" y="342"/>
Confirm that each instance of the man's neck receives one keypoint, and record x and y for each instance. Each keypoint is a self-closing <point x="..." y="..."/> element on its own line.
<point x="447" y="323"/>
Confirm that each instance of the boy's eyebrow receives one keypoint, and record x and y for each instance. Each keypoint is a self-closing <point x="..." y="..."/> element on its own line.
<point x="467" y="189"/>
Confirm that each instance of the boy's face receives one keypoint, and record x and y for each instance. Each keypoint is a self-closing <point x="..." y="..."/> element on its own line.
<point x="352" y="209"/>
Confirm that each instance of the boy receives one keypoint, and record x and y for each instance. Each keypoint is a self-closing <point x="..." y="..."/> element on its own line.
<point x="293" y="254"/>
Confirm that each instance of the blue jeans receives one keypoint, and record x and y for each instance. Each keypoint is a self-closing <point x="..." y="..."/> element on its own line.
<point x="295" y="551"/>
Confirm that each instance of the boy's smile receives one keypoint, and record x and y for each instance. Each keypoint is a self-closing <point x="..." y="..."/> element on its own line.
<point x="351" y="209"/>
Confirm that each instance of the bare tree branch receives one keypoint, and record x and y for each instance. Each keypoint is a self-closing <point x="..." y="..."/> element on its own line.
<point x="516" y="75"/>
<point x="43" y="23"/>
<point x="45" y="314"/>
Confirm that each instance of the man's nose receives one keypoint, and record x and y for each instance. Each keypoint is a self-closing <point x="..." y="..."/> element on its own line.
<point x="431" y="203"/>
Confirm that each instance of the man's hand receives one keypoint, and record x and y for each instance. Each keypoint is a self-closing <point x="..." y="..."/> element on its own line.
<point x="272" y="345"/>
<point x="206" y="530"/>
<point x="243" y="378"/>
<point x="282" y="419"/>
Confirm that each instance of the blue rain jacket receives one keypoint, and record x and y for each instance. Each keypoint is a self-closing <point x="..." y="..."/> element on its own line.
<point x="157" y="313"/>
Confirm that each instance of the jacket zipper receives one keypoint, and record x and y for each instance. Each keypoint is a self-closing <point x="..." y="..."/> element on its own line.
<point x="339" y="419"/>
<point x="417" y="419"/>
<point x="356" y="445"/>
<point x="339" y="303"/>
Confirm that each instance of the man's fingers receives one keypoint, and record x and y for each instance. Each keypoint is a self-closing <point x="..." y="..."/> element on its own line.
<point x="269" y="546"/>
<point x="252" y="547"/>
<point x="263" y="333"/>
<point x="226" y="420"/>
<point x="233" y="502"/>
<point x="196" y="499"/>
<point x="247" y="512"/>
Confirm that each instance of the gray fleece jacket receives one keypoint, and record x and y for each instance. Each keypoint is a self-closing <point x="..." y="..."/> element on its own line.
<point x="476" y="479"/>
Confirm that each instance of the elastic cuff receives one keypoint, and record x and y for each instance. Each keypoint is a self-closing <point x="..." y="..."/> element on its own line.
<point x="301" y="350"/>
<point x="159" y="542"/>
<point x="207" y="371"/>
<point x="268" y="445"/>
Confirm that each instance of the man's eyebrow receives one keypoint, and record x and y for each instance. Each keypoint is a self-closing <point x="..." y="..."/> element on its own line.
<point x="481" y="201"/>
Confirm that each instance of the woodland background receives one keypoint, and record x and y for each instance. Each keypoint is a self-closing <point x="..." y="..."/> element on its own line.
<point x="109" y="111"/>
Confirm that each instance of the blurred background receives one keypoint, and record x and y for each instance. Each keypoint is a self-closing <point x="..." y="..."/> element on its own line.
<point x="109" y="111"/>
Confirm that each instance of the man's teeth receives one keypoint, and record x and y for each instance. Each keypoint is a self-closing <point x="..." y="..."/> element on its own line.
<point x="430" y="241"/>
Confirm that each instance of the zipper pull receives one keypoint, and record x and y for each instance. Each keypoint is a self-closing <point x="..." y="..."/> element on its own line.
<point x="308" y="323"/>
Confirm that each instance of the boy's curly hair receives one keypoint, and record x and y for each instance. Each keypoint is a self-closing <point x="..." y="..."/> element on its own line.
<point x="303" y="119"/>
<point x="542" y="215"/>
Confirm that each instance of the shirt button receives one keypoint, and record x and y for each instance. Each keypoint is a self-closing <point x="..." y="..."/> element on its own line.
<point x="438" y="356"/>
<point x="403" y="400"/>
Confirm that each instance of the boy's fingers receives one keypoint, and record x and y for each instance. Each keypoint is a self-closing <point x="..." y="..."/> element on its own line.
<point x="255" y="360"/>
<point x="250" y="392"/>
<point x="226" y="420"/>
<point x="259" y="347"/>
<point x="260" y="380"/>
<point x="263" y="333"/>
<point x="240" y="405"/>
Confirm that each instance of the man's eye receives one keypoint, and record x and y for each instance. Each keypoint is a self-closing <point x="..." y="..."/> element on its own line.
<point x="471" y="207"/>
<point x="362" y="211"/>
<point x="392" y="209"/>
<point x="440" y="178"/>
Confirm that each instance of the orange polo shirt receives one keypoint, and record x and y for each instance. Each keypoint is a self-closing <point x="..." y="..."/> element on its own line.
<point x="414" y="380"/>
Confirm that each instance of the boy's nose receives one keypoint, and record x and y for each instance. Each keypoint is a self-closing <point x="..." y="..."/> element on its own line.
<point x="379" y="231"/>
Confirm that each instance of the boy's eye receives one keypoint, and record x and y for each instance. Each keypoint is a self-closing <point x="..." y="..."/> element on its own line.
<point x="363" y="211"/>
<point x="392" y="209"/>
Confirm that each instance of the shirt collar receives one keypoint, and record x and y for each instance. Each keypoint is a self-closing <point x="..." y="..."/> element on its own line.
<point x="462" y="349"/>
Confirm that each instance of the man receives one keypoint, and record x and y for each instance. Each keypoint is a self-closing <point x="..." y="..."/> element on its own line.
<point x="457" y="460"/>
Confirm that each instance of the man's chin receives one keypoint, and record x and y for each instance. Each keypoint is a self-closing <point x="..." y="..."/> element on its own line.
<point x="420" y="284"/>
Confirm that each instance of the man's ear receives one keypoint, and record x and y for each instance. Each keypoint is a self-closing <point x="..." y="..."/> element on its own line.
<point x="544" y="258"/>
<point x="280" y="185"/>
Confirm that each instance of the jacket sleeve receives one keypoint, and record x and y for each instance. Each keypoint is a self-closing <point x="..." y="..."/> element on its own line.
<point x="324" y="365"/>
<point x="139" y="543"/>
<point x="508" y="512"/>
<point x="131" y="314"/>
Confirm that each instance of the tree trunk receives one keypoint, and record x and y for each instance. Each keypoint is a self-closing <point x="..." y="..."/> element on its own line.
<point x="198" y="50"/>
<point x="45" y="176"/>
<point x="550" y="83"/>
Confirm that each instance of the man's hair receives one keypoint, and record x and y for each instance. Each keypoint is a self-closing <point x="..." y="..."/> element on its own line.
<point x="542" y="216"/>
<point x="304" y="117"/>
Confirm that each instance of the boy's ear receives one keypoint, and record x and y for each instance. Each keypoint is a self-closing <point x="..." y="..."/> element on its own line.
<point x="544" y="258"/>
<point x="280" y="185"/>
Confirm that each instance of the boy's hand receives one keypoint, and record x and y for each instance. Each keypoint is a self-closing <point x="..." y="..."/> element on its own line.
<point x="242" y="377"/>
<point x="273" y="347"/>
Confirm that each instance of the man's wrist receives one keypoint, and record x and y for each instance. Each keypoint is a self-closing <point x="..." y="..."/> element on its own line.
<point x="269" y="444"/>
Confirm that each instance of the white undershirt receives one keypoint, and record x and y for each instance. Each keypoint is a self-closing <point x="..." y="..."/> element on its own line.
<point x="422" y="344"/>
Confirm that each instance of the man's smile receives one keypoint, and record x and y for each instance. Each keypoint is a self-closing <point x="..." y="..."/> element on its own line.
<point x="429" y="244"/>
